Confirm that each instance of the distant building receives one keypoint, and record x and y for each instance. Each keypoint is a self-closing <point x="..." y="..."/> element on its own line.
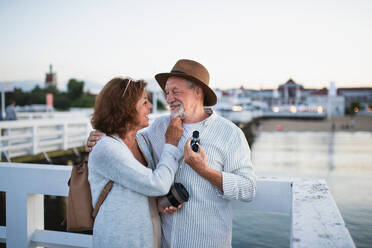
<point x="267" y="96"/>
<point x="333" y="105"/>
<point x="291" y="93"/>
<point x="51" y="77"/>
<point x="360" y="95"/>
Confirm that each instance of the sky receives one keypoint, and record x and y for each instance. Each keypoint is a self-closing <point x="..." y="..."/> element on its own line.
<point x="255" y="44"/>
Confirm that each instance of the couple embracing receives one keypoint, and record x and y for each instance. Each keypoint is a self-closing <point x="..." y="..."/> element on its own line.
<point x="145" y="162"/>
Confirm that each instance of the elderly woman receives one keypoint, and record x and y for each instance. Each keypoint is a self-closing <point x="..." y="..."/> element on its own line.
<point x="128" y="217"/>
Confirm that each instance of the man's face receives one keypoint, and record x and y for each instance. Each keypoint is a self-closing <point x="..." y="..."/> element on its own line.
<point x="180" y="97"/>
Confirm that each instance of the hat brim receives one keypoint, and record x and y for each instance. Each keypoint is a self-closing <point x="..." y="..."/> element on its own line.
<point x="210" y="97"/>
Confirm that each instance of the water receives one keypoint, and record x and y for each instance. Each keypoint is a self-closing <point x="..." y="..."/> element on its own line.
<point x="343" y="159"/>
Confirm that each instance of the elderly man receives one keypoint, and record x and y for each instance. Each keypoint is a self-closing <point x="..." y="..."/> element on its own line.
<point x="219" y="172"/>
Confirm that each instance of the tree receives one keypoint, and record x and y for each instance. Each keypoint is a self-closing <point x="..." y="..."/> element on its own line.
<point x="61" y="101"/>
<point x="19" y="96"/>
<point x="74" y="97"/>
<point x="86" y="101"/>
<point x="75" y="88"/>
<point x="52" y="89"/>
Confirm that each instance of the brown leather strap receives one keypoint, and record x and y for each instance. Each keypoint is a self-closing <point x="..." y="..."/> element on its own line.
<point x="102" y="197"/>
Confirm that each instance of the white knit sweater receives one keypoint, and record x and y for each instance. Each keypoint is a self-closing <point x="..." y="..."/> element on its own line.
<point x="124" y="218"/>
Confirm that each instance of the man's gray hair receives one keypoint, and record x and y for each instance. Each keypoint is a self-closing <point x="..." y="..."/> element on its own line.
<point x="190" y="84"/>
<point x="193" y="86"/>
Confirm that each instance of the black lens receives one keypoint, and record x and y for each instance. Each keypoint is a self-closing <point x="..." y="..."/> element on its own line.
<point x="195" y="134"/>
<point x="182" y="192"/>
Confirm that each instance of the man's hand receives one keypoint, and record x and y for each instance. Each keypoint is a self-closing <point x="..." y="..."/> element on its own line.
<point x="196" y="160"/>
<point x="170" y="209"/>
<point x="174" y="131"/>
<point x="94" y="136"/>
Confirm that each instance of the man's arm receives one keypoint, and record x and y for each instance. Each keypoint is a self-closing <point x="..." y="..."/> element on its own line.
<point x="237" y="180"/>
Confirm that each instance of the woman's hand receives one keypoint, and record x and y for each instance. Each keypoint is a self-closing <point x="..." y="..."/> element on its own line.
<point x="170" y="209"/>
<point x="174" y="131"/>
<point x="94" y="136"/>
<point x="196" y="160"/>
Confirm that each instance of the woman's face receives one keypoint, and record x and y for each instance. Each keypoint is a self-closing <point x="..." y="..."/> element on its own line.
<point x="143" y="107"/>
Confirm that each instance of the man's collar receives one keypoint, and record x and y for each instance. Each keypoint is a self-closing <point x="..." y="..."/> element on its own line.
<point x="212" y="115"/>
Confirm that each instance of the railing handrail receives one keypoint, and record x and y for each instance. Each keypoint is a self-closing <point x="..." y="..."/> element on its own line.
<point x="34" y="136"/>
<point x="316" y="221"/>
<point x="37" y="122"/>
<point x="31" y="137"/>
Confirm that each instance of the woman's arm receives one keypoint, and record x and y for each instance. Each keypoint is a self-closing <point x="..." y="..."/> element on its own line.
<point x="114" y="161"/>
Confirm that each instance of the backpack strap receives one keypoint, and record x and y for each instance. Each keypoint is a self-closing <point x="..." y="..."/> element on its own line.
<point x="106" y="190"/>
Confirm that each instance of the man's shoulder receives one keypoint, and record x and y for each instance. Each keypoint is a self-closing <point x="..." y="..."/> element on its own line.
<point x="223" y="123"/>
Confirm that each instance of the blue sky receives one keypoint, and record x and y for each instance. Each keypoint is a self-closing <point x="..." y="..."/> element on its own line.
<point x="251" y="43"/>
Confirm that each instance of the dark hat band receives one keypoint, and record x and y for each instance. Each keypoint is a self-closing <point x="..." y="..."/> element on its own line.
<point x="174" y="71"/>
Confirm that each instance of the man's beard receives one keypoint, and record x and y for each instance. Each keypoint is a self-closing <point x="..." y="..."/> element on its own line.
<point x="178" y="113"/>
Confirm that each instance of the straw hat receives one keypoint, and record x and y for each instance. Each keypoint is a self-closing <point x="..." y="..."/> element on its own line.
<point x="193" y="71"/>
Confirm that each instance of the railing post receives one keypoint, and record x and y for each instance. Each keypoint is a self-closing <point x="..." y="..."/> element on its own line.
<point x="88" y="130"/>
<point x="65" y="136"/>
<point x="1" y="143"/>
<point x="5" y="143"/>
<point x="34" y="139"/>
<point x="35" y="214"/>
<point x="24" y="214"/>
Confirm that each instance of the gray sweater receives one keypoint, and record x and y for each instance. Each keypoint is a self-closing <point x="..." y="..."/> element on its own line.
<point x="124" y="218"/>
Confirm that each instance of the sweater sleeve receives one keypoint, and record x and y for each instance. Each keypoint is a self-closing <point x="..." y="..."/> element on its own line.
<point x="115" y="162"/>
<point x="238" y="177"/>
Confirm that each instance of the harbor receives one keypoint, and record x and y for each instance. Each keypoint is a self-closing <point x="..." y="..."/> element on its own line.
<point x="276" y="200"/>
<point x="341" y="158"/>
<point x="294" y="152"/>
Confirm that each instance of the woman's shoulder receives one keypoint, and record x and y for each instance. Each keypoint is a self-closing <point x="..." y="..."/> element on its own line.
<point x="109" y="152"/>
<point x="109" y="145"/>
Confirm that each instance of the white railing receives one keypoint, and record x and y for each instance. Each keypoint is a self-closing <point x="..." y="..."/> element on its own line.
<point x="34" y="136"/>
<point x="312" y="115"/>
<point x="316" y="221"/>
<point x="54" y="114"/>
<point x="73" y="114"/>
<point x="31" y="137"/>
<point x="243" y="116"/>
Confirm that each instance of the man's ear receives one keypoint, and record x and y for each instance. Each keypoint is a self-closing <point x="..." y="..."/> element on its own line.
<point x="198" y="91"/>
<point x="201" y="94"/>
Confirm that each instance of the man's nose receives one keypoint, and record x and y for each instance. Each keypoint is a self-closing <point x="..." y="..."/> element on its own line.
<point x="170" y="98"/>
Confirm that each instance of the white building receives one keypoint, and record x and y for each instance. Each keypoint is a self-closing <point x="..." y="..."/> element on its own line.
<point x="328" y="101"/>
